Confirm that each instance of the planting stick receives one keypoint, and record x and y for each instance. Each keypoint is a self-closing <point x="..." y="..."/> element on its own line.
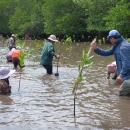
<point x="19" y="79"/>
<point x="74" y="105"/>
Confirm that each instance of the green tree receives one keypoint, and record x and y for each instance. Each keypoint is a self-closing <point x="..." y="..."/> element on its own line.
<point x="119" y="17"/>
<point x="6" y="9"/>
<point x="96" y="10"/>
<point x="27" y="18"/>
<point x="63" y="17"/>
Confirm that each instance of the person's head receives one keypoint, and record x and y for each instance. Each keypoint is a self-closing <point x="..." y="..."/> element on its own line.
<point x="18" y="48"/>
<point x="111" y="68"/>
<point x="12" y="35"/>
<point x="113" y="36"/>
<point x="52" y="38"/>
<point x="5" y="73"/>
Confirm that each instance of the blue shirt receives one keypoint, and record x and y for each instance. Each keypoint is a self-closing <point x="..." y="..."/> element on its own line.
<point x="121" y="52"/>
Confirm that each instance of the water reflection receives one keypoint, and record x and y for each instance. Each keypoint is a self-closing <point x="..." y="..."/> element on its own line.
<point x="46" y="102"/>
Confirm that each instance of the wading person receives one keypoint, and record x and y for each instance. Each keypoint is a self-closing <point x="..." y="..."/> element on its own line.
<point x="121" y="51"/>
<point x="111" y="68"/>
<point x="9" y="55"/>
<point x="48" y="53"/>
<point x="18" y="58"/>
<point x="5" y="73"/>
<point x="11" y="42"/>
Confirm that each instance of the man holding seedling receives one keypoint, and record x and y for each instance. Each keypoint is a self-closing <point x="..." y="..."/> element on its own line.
<point x="48" y="53"/>
<point x="121" y="51"/>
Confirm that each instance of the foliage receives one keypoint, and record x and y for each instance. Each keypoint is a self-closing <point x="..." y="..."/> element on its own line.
<point x="63" y="17"/>
<point x="85" y="62"/>
<point x="119" y="17"/>
<point x="96" y="10"/>
<point x="68" y="40"/>
<point x="27" y="18"/>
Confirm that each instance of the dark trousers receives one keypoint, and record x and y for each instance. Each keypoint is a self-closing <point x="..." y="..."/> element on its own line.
<point x="16" y="62"/>
<point x="48" y="69"/>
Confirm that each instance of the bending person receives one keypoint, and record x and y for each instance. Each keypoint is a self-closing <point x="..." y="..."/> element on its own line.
<point x="121" y="51"/>
<point x="18" y="58"/>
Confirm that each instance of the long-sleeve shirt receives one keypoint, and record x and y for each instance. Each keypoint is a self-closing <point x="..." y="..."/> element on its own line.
<point x="47" y="54"/>
<point x="121" y="52"/>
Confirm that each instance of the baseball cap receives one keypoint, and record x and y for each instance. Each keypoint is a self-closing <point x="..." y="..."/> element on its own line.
<point x="113" y="33"/>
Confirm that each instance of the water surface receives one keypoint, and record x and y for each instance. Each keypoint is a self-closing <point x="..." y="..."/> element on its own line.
<point x="46" y="102"/>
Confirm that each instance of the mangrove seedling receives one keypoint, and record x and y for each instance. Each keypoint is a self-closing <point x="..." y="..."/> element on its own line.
<point x="85" y="62"/>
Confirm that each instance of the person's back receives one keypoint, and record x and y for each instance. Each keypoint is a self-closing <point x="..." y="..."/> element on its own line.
<point x="46" y="57"/>
<point x="16" y="53"/>
<point x="11" y="41"/>
<point x="48" y="53"/>
<point x="18" y="57"/>
<point x="9" y="55"/>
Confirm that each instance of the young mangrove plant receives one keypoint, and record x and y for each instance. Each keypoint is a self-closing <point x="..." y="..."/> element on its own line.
<point x="85" y="62"/>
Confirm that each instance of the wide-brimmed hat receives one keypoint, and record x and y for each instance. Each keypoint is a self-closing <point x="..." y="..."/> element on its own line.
<point x="13" y="35"/>
<point x="113" y="33"/>
<point x="53" y="38"/>
<point x="5" y="72"/>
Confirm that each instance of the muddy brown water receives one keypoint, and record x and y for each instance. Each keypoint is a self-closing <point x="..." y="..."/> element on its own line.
<point x="46" y="102"/>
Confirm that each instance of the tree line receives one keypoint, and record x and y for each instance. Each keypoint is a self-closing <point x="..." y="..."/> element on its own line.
<point x="80" y="19"/>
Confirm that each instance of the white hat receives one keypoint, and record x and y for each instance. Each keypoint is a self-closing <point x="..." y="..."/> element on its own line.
<point x="13" y="35"/>
<point x="13" y="49"/>
<point x="18" y="47"/>
<point x="53" y="38"/>
<point x="5" y="72"/>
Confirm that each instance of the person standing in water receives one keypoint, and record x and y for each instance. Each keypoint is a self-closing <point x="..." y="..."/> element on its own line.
<point x="12" y="42"/>
<point x="48" y="53"/>
<point x="5" y="87"/>
<point x="121" y="51"/>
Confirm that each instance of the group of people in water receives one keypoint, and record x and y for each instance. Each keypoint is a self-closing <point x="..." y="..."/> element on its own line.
<point x="15" y="55"/>
<point x="121" y="67"/>
<point x="121" y="51"/>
